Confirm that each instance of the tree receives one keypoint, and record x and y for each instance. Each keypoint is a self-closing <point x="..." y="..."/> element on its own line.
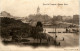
<point x="10" y="25"/>
<point x="39" y="24"/>
<point x="39" y="28"/>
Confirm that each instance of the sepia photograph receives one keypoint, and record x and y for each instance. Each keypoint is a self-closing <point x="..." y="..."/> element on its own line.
<point x="39" y="25"/>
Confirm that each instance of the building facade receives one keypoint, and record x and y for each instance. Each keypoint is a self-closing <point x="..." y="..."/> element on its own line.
<point x="76" y="19"/>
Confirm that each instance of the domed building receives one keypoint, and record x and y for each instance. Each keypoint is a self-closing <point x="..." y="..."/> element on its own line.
<point x="33" y="19"/>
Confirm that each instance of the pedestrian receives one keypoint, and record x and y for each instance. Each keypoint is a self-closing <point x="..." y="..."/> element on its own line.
<point x="56" y="36"/>
<point x="63" y="38"/>
<point x="55" y="43"/>
<point x="59" y="44"/>
<point x="66" y="30"/>
<point x="49" y="39"/>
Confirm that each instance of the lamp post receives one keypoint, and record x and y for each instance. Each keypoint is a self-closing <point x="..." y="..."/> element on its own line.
<point x="55" y="36"/>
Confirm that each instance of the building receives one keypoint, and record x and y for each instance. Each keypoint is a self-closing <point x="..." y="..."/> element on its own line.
<point x="5" y="14"/>
<point x="58" y="18"/>
<point x="38" y="10"/>
<point x="75" y="19"/>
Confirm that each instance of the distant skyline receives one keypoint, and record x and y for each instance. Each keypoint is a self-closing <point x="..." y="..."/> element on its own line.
<point x="24" y="8"/>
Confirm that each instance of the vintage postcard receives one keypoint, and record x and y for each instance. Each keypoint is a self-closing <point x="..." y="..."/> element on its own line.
<point x="39" y="25"/>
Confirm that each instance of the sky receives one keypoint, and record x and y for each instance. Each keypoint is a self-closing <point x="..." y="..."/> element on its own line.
<point x="23" y="8"/>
